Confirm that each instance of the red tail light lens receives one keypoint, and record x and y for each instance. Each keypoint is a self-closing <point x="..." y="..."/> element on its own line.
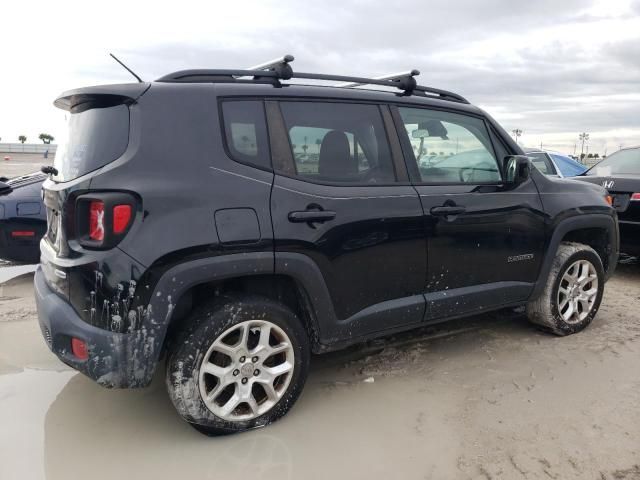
<point x="635" y="197"/>
<point x="121" y="218"/>
<point x="23" y="233"/>
<point x="96" y="221"/>
<point x="79" y="348"/>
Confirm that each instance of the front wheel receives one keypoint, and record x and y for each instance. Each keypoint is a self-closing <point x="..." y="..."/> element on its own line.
<point x="241" y="363"/>
<point x="573" y="292"/>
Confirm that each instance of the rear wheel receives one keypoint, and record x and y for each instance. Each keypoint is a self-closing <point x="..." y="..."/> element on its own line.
<point x="573" y="292"/>
<point x="240" y="364"/>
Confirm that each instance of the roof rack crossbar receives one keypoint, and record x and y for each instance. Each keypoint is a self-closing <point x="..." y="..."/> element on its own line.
<point x="278" y="65"/>
<point x="394" y="77"/>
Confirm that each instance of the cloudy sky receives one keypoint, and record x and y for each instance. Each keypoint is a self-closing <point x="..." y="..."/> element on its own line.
<point x="551" y="68"/>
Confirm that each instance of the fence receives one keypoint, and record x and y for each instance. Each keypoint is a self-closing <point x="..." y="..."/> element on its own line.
<point x="27" y="148"/>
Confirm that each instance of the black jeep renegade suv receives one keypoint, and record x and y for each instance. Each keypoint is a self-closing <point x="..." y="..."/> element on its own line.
<point x="236" y="222"/>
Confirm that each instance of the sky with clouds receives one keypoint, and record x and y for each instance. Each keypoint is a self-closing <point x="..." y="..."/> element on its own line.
<point x="551" y="68"/>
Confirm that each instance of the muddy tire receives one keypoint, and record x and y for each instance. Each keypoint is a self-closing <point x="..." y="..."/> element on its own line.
<point x="573" y="292"/>
<point x="239" y="364"/>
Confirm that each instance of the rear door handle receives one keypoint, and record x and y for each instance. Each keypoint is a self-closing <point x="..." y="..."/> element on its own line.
<point x="448" y="210"/>
<point x="311" y="216"/>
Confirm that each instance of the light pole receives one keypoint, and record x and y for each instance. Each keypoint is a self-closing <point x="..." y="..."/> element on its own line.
<point x="517" y="133"/>
<point x="583" y="137"/>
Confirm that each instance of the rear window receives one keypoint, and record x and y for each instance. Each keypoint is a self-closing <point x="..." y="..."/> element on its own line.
<point x="620" y="163"/>
<point x="94" y="138"/>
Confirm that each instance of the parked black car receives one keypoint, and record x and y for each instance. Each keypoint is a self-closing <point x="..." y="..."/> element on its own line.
<point x="619" y="173"/>
<point x="23" y="220"/>
<point x="238" y="222"/>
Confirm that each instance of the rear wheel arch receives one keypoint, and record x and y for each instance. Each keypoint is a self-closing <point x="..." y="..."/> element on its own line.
<point x="282" y="289"/>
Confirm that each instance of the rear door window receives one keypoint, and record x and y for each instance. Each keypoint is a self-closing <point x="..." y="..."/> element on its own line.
<point x="338" y="143"/>
<point x="94" y="138"/>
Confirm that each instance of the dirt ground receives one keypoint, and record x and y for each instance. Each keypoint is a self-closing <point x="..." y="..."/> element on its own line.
<point x="489" y="397"/>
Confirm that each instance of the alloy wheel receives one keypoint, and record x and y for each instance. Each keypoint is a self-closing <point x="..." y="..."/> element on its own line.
<point x="247" y="370"/>
<point x="577" y="291"/>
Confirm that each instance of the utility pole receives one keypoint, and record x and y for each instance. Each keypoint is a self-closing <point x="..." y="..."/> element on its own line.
<point x="517" y="133"/>
<point x="583" y="137"/>
<point x="540" y="144"/>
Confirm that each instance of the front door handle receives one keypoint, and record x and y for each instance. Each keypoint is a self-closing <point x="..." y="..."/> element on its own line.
<point x="311" y="216"/>
<point x="447" y="210"/>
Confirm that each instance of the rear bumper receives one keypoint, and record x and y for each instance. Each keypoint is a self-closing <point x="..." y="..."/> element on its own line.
<point x="630" y="237"/>
<point x="116" y="360"/>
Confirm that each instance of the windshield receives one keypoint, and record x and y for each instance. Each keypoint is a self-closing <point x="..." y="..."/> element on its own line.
<point x="619" y="163"/>
<point x="94" y="138"/>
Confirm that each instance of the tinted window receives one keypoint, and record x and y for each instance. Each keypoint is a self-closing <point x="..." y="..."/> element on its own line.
<point x="333" y="142"/>
<point x="450" y="148"/>
<point x="542" y="162"/>
<point x="621" y="162"/>
<point x="94" y="138"/>
<point x="246" y="132"/>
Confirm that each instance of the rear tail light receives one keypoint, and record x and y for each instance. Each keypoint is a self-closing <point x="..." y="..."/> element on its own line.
<point x="79" y="349"/>
<point x="103" y="219"/>
<point x="635" y="197"/>
<point x="23" y="233"/>
<point x="121" y="218"/>
<point x="96" y="221"/>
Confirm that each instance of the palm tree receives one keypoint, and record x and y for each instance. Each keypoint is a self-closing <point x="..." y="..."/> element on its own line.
<point x="517" y="133"/>
<point x="46" y="138"/>
<point x="583" y="137"/>
<point x="22" y="139"/>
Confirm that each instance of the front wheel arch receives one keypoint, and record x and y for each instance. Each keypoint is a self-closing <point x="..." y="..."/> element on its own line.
<point x="574" y="229"/>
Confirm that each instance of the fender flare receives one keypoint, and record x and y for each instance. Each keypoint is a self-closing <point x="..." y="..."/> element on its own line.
<point x="178" y="280"/>
<point x="571" y="224"/>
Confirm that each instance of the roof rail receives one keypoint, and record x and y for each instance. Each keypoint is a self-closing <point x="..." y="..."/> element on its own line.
<point x="273" y="71"/>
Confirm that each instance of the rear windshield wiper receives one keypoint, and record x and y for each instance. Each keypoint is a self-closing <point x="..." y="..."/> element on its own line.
<point x="49" y="170"/>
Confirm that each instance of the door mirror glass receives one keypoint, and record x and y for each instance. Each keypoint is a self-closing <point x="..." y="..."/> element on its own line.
<point x="516" y="169"/>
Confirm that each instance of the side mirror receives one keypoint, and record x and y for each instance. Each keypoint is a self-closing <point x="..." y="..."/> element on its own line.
<point x="517" y="169"/>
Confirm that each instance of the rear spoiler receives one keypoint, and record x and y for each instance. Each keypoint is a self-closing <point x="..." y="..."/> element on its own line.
<point x="82" y="99"/>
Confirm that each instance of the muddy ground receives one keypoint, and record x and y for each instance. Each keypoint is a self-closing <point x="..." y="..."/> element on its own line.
<point x="486" y="398"/>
